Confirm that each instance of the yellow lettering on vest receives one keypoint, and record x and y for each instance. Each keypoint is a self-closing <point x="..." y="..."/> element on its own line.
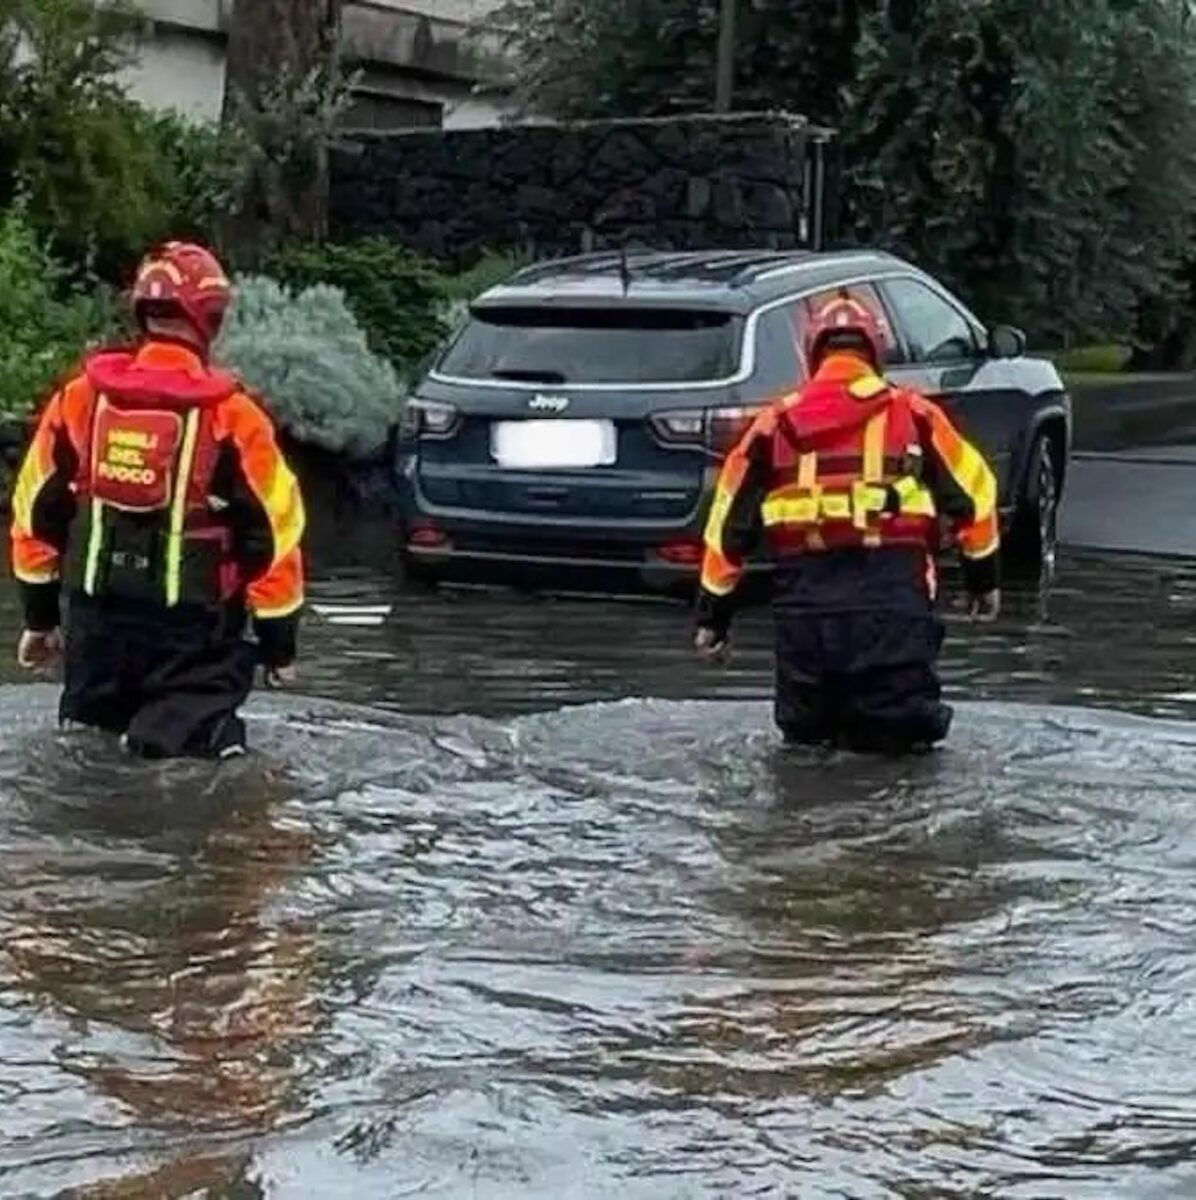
<point x="137" y="438"/>
<point x="127" y="455"/>
<point x="142" y="476"/>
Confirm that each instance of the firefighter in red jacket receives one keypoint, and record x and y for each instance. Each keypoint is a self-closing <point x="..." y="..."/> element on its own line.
<point x="155" y="495"/>
<point x="846" y="480"/>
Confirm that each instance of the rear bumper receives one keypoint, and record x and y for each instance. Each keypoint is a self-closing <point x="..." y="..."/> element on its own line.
<point x="524" y="555"/>
<point x="579" y="552"/>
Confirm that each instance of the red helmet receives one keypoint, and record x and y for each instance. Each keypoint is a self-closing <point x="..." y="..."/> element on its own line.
<point x="182" y="279"/>
<point x="844" y="324"/>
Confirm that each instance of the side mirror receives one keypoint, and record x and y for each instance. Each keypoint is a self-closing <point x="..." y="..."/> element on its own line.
<point x="1006" y="341"/>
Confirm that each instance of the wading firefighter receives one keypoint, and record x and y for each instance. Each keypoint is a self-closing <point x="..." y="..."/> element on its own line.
<point x="155" y="495"/>
<point x="846" y="481"/>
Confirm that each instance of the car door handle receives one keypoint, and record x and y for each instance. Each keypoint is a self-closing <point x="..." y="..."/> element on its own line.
<point x="547" y="495"/>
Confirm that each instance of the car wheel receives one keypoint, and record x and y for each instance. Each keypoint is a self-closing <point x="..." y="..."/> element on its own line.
<point x="1034" y="537"/>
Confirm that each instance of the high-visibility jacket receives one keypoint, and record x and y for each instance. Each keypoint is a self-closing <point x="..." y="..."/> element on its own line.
<point x="155" y="478"/>
<point x="849" y="461"/>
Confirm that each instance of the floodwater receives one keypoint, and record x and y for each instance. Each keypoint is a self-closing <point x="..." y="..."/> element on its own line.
<point x="517" y="900"/>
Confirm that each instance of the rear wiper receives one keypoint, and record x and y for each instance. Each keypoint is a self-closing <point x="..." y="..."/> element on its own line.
<point x="530" y="376"/>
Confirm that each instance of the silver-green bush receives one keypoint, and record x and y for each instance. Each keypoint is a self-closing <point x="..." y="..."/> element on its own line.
<point x="308" y="358"/>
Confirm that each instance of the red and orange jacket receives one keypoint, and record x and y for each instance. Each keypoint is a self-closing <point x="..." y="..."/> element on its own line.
<point x="848" y="461"/>
<point x="159" y="433"/>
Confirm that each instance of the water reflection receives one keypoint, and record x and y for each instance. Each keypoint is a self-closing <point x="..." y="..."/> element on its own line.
<point x="538" y="907"/>
<point x="138" y="941"/>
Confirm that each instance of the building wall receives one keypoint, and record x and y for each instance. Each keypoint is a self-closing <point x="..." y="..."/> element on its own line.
<point x="688" y="183"/>
<point x="419" y="66"/>
<point x="181" y="71"/>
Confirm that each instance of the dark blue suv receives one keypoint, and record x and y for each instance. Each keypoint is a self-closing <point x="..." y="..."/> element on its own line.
<point x="571" y="431"/>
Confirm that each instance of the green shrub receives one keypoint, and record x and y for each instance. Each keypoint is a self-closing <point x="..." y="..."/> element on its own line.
<point x="1097" y="359"/>
<point x="201" y="172"/>
<point x="460" y="289"/>
<point x="393" y="293"/>
<point x="71" y="141"/>
<point x="308" y="357"/>
<point x="46" y="321"/>
<point x="490" y="270"/>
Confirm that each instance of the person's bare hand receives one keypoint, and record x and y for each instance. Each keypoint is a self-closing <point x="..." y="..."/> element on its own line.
<point x="710" y="644"/>
<point x="985" y="608"/>
<point x="39" y="649"/>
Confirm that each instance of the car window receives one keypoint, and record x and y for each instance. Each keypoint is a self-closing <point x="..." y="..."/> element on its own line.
<point x="778" y="367"/>
<point x="935" y="329"/>
<point x="862" y="293"/>
<point x="563" y="344"/>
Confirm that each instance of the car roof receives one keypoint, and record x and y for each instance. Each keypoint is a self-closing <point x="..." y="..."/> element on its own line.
<point x="729" y="280"/>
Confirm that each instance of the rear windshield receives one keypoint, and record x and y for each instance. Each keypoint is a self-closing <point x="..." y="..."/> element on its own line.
<point x="577" y="345"/>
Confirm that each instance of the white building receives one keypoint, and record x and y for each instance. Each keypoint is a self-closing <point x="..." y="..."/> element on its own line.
<point x="421" y="61"/>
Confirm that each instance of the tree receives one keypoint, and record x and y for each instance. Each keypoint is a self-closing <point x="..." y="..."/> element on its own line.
<point x="284" y="89"/>
<point x="1038" y="154"/>
<point x="1014" y="149"/>
<point x="69" y="139"/>
<point x="629" y="58"/>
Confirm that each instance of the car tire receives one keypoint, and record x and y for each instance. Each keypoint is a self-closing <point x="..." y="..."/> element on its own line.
<point x="1034" y="536"/>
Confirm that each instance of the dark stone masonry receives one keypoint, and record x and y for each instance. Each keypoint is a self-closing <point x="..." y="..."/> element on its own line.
<point x="678" y="183"/>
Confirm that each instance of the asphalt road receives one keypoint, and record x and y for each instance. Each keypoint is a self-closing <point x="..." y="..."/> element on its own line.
<point x="1132" y="500"/>
<point x="1131" y="485"/>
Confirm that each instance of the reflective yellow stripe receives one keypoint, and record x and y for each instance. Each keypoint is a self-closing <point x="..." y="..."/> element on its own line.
<point x="287" y="610"/>
<point x="835" y="505"/>
<point x="284" y="505"/>
<point x="719" y="509"/>
<point x="874" y="472"/>
<point x="790" y="510"/>
<point x="978" y="481"/>
<point x="874" y="447"/>
<point x="29" y="483"/>
<point x="178" y="511"/>
<point x="915" y="500"/>
<point x="49" y="575"/>
<point x="867" y="387"/>
<point x="95" y="539"/>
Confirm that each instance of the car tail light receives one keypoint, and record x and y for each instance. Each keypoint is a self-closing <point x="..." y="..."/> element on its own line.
<point x="716" y="430"/>
<point x="725" y="426"/>
<point x="428" y="418"/>
<point x="683" y="552"/>
<point x="425" y="534"/>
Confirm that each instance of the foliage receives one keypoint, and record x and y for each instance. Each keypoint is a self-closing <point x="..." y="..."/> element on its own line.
<point x="309" y="359"/>
<point x="287" y="89"/>
<point x="458" y="290"/>
<point x="1106" y="359"/>
<point x="393" y="293"/>
<point x="47" y="320"/>
<point x="613" y="58"/>
<point x="202" y="172"/>
<point x="489" y="271"/>
<point x="69" y="136"/>
<point x="1040" y="157"/>
<point x="1014" y="150"/>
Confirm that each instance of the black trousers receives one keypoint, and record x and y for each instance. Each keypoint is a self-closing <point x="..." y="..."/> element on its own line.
<point x="172" y="682"/>
<point x="857" y="639"/>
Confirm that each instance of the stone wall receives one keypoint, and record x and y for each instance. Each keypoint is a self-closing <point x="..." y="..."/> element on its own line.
<point x="685" y="183"/>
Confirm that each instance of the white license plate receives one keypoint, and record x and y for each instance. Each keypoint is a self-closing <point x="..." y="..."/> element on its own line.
<point x="539" y="445"/>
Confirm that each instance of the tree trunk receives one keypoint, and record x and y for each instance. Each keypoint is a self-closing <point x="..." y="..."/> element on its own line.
<point x="280" y="70"/>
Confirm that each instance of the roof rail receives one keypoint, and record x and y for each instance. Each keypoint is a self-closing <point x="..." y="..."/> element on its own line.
<point x="813" y="260"/>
